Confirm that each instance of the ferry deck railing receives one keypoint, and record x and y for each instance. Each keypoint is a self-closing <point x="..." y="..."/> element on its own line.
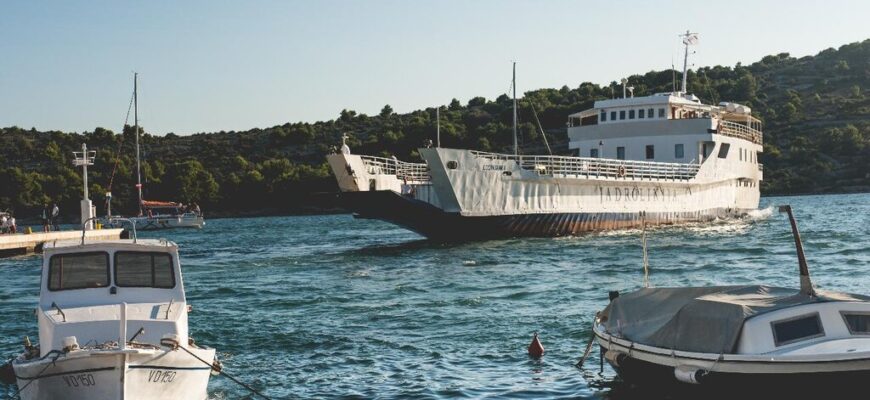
<point x="412" y="172"/>
<point x="598" y="167"/>
<point x="740" y="131"/>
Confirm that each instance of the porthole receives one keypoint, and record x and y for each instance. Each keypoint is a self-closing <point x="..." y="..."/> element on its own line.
<point x="452" y="165"/>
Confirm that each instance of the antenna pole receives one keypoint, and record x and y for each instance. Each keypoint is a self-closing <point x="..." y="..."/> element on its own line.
<point x="438" y="125"/>
<point x="136" y="126"/>
<point x="688" y="39"/>
<point x="516" y="149"/>
<point x="806" y="283"/>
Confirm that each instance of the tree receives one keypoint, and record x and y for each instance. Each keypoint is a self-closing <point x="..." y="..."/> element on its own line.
<point x="386" y="111"/>
<point x="189" y="182"/>
<point x="455" y="105"/>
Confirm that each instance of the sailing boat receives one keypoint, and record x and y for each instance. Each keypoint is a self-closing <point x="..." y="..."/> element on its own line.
<point x="153" y="214"/>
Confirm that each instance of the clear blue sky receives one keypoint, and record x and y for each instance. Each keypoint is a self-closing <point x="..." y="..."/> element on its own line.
<point x="219" y="65"/>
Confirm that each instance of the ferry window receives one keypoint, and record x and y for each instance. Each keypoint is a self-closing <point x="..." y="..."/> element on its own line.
<point x="622" y="114"/>
<point x="857" y="322"/>
<point x="640" y="113"/>
<point x="613" y="115"/>
<point x="661" y="112"/>
<point x="796" y="329"/>
<point x="723" y="150"/>
<point x="620" y="153"/>
<point x="650" y="152"/>
<point x="649" y="113"/>
<point x="141" y="269"/>
<point x="603" y="115"/>
<point x="630" y="114"/>
<point x="593" y="153"/>
<point x="78" y="271"/>
<point x="678" y="150"/>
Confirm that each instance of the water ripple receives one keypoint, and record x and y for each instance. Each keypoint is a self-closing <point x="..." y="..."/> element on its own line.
<point x="335" y="307"/>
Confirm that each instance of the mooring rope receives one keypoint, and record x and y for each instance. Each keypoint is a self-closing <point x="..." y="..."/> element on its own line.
<point x="120" y="146"/>
<point x="221" y="371"/>
<point x="588" y="345"/>
<point x="39" y="375"/>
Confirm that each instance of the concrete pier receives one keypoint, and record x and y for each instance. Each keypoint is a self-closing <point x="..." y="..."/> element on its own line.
<point x="20" y="243"/>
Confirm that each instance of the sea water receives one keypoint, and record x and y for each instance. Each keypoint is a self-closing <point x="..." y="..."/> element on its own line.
<point x="336" y="307"/>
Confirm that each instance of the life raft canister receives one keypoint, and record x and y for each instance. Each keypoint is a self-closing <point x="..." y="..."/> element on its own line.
<point x="620" y="172"/>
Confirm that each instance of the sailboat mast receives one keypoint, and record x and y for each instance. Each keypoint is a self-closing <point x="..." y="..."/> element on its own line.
<point x="136" y="127"/>
<point x="514" y="84"/>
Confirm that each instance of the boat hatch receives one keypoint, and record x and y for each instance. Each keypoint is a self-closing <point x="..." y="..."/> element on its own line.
<point x="857" y="322"/>
<point x="797" y="329"/>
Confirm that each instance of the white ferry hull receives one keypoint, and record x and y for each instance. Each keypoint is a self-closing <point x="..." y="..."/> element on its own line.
<point x="435" y="223"/>
<point x="111" y="375"/>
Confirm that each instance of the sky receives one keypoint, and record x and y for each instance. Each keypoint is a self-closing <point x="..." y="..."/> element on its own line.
<point x="207" y="66"/>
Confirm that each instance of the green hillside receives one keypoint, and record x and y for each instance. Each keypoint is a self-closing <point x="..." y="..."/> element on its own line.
<point x="816" y="112"/>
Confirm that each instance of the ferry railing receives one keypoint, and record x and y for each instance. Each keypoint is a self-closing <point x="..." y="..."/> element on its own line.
<point x="598" y="167"/>
<point x="740" y="131"/>
<point x="390" y="166"/>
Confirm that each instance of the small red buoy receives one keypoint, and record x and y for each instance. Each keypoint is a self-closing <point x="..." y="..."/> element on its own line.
<point x="536" y="349"/>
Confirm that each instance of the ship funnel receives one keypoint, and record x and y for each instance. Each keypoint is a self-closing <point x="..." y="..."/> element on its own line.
<point x="806" y="283"/>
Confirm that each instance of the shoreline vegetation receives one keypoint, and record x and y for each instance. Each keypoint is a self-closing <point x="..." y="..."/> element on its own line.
<point x="815" y="110"/>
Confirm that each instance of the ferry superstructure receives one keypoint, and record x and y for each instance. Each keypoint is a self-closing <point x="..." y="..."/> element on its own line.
<point x="664" y="159"/>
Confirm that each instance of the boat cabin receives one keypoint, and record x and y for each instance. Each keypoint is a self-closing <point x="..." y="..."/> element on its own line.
<point x="745" y="320"/>
<point x="665" y="127"/>
<point x="101" y="292"/>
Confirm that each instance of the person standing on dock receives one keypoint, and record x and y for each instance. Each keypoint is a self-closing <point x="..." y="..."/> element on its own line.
<point x="55" y="216"/>
<point x="45" y="217"/>
<point x="11" y="222"/>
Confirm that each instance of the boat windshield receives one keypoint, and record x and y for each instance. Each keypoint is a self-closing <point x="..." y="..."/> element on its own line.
<point x="144" y="269"/>
<point x="78" y="271"/>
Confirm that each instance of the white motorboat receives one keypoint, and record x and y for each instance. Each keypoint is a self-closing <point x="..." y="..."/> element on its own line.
<point x="113" y="324"/>
<point x="746" y="338"/>
<point x="160" y="215"/>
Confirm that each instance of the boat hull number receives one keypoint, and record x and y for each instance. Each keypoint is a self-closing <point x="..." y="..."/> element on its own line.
<point x="79" y="380"/>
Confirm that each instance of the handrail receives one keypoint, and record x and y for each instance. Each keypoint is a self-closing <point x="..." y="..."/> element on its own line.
<point x="598" y="167"/>
<point x="59" y="310"/>
<point x="390" y="166"/>
<point x="739" y="131"/>
<point x="111" y="219"/>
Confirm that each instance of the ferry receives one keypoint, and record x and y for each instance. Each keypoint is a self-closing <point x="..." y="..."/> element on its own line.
<point x="667" y="158"/>
<point x="113" y="324"/>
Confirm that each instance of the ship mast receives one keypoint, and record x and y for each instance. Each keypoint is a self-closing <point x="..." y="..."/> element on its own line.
<point x="689" y="38"/>
<point x="136" y="126"/>
<point x="514" y="85"/>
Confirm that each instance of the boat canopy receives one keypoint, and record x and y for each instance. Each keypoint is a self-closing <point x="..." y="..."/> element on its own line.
<point x="700" y="319"/>
<point x="159" y="204"/>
